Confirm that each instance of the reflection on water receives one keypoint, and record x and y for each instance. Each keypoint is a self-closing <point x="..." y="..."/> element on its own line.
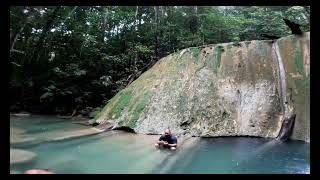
<point x="118" y="152"/>
<point x="40" y="124"/>
<point x="243" y="155"/>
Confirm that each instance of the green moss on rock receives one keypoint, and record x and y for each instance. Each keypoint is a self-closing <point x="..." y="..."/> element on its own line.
<point x="217" y="60"/>
<point x="134" y="109"/>
<point x="301" y="84"/>
<point x="108" y="105"/>
<point x="195" y="53"/>
<point x="298" y="59"/>
<point x="202" y="91"/>
<point x="124" y="99"/>
<point x="97" y="116"/>
<point x="138" y="108"/>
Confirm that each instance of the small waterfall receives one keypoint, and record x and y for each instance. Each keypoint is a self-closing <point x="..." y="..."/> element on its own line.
<point x="282" y="81"/>
<point x="288" y="116"/>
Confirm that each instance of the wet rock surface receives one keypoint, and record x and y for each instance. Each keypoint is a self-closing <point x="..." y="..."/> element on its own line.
<point x="219" y="90"/>
<point x="21" y="156"/>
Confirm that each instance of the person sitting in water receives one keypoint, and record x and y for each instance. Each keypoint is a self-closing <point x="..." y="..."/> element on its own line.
<point x="167" y="140"/>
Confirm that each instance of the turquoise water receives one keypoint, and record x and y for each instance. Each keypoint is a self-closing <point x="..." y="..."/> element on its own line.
<point x="118" y="152"/>
<point x="39" y="124"/>
<point x="245" y="155"/>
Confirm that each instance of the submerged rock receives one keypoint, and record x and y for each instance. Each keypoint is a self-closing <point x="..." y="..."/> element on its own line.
<point x="218" y="90"/>
<point x="21" y="156"/>
<point x="21" y="114"/>
<point x="18" y="136"/>
<point x="73" y="134"/>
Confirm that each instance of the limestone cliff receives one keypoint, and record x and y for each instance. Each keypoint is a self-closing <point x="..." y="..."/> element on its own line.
<point x="229" y="89"/>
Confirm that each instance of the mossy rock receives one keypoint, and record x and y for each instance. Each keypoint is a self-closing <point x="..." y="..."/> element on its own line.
<point x="190" y="90"/>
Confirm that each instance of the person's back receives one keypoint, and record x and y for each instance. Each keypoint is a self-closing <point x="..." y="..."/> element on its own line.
<point x="167" y="140"/>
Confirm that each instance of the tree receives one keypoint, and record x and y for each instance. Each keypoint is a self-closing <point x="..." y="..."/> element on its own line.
<point x="75" y="58"/>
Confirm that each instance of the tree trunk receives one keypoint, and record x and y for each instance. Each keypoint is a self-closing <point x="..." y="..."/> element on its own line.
<point x="307" y="9"/>
<point x="43" y="35"/>
<point x="26" y="18"/>
<point x="104" y="25"/>
<point x="156" y="20"/>
<point x="195" y="8"/>
<point x="136" y="14"/>
<point x="13" y="38"/>
<point x="162" y="10"/>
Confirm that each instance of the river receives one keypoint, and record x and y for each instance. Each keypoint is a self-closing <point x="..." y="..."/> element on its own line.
<point x="120" y="152"/>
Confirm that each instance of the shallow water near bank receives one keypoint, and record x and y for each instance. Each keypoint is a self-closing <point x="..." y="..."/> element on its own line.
<point x="119" y="152"/>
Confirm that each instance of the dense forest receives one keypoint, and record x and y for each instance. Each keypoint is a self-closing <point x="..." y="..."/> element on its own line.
<point x="73" y="59"/>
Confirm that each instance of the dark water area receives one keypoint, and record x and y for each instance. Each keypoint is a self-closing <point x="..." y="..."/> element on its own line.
<point x="243" y="155"/>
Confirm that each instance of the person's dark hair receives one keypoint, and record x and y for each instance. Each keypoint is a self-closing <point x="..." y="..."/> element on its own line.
<point x="168" y="130"/>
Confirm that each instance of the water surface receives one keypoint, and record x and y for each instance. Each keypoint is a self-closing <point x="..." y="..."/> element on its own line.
<point x="118" y="152"/>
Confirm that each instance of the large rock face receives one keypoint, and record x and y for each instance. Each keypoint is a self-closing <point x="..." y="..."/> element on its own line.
<point x="295" y="53"/>
<point x="230" y="89"/>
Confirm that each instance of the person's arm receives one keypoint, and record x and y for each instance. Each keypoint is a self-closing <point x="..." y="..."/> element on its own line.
<point x="174" y="142"/>
<point x="160" y="141"/>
